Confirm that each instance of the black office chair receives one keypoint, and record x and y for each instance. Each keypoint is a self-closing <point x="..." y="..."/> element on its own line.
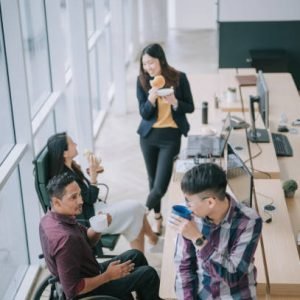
<point x="41" y="175"/>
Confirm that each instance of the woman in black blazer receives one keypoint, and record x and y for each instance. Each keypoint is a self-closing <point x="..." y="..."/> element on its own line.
<point x="163" y="122"/>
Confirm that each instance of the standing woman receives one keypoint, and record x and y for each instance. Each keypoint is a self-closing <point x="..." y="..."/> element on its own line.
<point x="163" y="121"/>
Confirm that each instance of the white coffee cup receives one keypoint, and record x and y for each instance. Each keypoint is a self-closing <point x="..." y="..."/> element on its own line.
<point x="99" y="222"/>
<point x="231" y="96"/>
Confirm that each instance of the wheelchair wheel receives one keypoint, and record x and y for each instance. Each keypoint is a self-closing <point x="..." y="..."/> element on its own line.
<point x="47" y="290"/>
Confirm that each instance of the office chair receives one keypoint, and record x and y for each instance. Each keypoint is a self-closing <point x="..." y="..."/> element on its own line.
<point x="41" y="176"/>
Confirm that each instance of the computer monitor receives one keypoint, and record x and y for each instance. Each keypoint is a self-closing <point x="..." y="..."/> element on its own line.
<point x="239" y="178"/>
<point x="263" y="94"/>
<point x="260" y="135"/>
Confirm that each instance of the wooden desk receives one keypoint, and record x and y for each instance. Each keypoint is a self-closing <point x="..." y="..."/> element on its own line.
<point x="264" y="160"/>
<point x="277" y="257"/>
<point x="204" y="87"/>
<point x="284" y="98"/>
<point x="281" y="255"/>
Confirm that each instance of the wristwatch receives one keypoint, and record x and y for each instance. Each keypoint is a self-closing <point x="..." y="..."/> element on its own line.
<point x="199" y="241"/>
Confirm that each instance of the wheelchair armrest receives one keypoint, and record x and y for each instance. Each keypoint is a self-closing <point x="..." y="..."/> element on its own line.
<point x="106" y="191"/>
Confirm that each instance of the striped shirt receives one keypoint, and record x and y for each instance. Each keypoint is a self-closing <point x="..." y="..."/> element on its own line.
<point x="224" y="267"/>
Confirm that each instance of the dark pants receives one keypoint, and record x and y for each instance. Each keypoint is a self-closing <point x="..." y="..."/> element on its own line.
<point x="159" y="149"/>
<point x="143" y="279"/>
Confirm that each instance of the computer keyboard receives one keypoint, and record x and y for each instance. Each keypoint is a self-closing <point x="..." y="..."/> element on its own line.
<point x="282" y="145"/>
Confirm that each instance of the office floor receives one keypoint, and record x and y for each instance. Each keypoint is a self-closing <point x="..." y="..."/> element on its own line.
<point x="118" y="142"/>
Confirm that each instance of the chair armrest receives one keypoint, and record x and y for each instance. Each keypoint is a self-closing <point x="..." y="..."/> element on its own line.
<point x="105" y="192"/>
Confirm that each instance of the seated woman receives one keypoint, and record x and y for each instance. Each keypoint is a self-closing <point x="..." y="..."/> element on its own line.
<point x="128" y="216"/>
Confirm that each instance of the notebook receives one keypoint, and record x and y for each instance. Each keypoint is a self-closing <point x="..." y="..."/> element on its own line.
<point x="246" y="80"/>
<point x="209" y="146"/>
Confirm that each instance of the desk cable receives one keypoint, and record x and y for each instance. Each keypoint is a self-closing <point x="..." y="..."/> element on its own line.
<point x="268" y="208"/>
<point x="255" y="155"/>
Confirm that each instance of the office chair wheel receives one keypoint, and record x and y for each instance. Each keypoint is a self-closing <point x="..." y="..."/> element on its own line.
<point x="48" y="289"/>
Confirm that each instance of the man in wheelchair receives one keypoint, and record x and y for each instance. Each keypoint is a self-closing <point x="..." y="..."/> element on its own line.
<point x="67" y="247"/>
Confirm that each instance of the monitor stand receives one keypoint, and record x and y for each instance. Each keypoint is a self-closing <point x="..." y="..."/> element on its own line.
<point x="258" y="136"/>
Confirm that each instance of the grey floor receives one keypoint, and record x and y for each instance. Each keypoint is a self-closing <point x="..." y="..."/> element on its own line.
<point x="118" y="143"/>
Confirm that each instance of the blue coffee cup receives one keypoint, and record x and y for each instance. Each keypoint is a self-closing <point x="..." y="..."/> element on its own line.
<point x="182" y="211"/>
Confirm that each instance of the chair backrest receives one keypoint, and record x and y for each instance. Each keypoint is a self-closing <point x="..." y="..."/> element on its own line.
<point x="41" y="174"/>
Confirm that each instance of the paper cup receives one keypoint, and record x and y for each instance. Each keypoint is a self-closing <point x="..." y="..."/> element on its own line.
<point x="99" y="222"/>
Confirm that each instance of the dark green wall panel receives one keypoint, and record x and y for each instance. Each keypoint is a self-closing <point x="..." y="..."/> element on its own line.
<point x="236" y="39"/>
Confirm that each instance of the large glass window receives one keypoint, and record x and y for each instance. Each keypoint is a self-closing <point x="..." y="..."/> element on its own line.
<point x="90" y="16"/>
<point x="66" y="32"/>
<point x="7" y="132"/>
<point x="94" y="78"/>
<point x="36" y="49"/>
<point x="13" y="250"/>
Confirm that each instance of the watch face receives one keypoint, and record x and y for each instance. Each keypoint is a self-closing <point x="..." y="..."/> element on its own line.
<point x="199" y="241"/>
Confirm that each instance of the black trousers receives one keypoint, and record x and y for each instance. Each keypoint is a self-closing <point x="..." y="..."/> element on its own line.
<point x="143" y="279"/>
<point x="159" y="149"/>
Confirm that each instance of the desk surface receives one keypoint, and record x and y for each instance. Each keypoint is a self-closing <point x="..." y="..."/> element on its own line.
<point x="282" y="259"/>
<point x="204" y="86"/>
<point x="278" y="250"/>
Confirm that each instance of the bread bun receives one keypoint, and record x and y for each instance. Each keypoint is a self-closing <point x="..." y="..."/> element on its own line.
<point x="158" y="82"/>
<point x="88" y="154"/>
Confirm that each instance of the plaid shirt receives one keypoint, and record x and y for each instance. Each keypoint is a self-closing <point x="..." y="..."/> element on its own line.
<point x="224" y="267"/>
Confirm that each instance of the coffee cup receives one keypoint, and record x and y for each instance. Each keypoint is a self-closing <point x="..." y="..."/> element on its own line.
<point x="99" y="222"/>
<point x="182" y="211"/>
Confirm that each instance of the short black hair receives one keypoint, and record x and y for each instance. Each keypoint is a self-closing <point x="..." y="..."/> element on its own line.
<point x="205" y="177"/>
<point x="57" y="184"/>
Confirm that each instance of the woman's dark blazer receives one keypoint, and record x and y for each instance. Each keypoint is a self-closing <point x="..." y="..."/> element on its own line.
<point x="149" y="112"/>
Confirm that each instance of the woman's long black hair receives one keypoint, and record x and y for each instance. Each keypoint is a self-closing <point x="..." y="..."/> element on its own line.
<point x="170" y="74"/>
<point x="57" y="144"/>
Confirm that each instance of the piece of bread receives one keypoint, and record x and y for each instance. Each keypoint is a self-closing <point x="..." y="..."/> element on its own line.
<point x="158" y="82"/>
<point x="88" y="154"/>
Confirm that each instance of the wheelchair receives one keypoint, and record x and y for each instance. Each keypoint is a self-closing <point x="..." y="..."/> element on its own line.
<point x="51" y="289"/>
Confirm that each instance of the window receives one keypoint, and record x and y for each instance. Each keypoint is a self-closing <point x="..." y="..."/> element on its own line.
<point x="7" y="131"/>
<point x="90" y="16"/>
<point x="36" y="49"/>
<point x="13" y="251"/>
<point x="93" y="61"/>
<point x="66" y="32"/>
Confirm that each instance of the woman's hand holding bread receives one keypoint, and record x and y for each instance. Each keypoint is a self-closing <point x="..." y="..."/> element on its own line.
<point x="94" y="165"/>
<point x="157" y="83"/>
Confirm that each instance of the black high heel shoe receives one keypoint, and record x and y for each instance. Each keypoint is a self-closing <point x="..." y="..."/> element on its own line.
<point x="159" y="221"/>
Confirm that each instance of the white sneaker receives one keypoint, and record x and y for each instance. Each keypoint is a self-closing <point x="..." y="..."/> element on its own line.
<point x="158" y="247"/>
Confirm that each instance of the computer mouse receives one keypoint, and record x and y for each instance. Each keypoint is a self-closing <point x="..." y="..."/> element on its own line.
<point x="206" y="130"/>
<point x="282" y="128"/>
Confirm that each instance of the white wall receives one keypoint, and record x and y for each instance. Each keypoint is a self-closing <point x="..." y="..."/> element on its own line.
<point x="153" y="21"/>
<point x="259" y="10"/>
<point x="192" y="14"/>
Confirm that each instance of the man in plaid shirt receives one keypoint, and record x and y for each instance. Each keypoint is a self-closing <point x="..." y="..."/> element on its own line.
<point x="214" y="254"/>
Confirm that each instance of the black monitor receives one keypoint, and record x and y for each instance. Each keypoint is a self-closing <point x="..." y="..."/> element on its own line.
<point x="260" y="135"/>
<point x="263" y="94"/>
<point x="239" y="178"/>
